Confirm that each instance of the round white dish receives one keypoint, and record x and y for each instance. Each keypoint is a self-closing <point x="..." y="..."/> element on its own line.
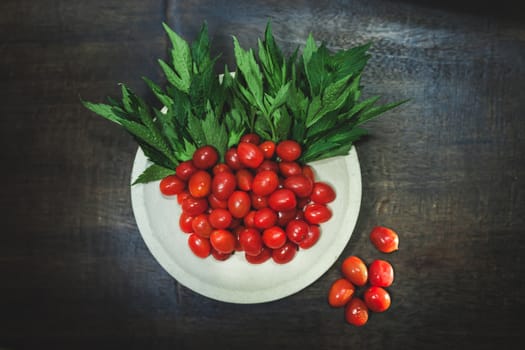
<point x="235" y="280"/>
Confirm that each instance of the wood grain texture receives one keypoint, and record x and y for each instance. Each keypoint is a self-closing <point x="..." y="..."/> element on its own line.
<point x="446" y="170"/>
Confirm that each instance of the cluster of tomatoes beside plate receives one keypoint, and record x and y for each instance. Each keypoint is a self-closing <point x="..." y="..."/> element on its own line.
<point x="261" y="200"/>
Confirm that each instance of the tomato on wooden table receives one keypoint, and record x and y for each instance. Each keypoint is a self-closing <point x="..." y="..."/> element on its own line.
<point x="340" y="292"/>
<point x="354" y="269"/>
<point x="356" y="312"/>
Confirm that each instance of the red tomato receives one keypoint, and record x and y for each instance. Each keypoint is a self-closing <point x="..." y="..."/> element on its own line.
<point x="268" y="165"/>
<point x="200" y="184"/>
<point x="194" y="206"/>
<point x="249" y="219"/>
<point x="258" y="202"/>
<point x="171" y="185"/>
<point x="354" y="269"/>
<point x="297" y="230"/>
<point x="216" y="203"/>
<point x="299" y="184"/>
<point x="251" y="138"/>
<point x="220" y="256"/>
<point x="223" y="185"/>
<point x="264" y="218"/>
<point x="264" y="255"/>
<point x="322" y="193"/>
<point x="290" y="168"/>
<point x="185" y="169"/>
<point x="314" y="232"/>
<point x="288" y="150"/>
<point x="205" y="157"/>
<point x="239" y="204"/>
<point x="356" y="312"/>
<point x="265" y="183"/>
<point x="282" y="200"/>
<point x="185" y="221"/>
<point x="384" y="239"/>
<point x="381" y="273"/>
<point x="250" y="155"/>
<point x="274" y="237"/>
<point x="268" y="149"/>
<point x="182" y="196"/>
<point x="220" y="218"/>
<point x="244" y="179"/>
<point x="232" y="159"/>
<point x="199" y="246"/>
<point x="223" y="241"/>
<point x="251" y="241"/>
<point x="308" y="171"/>
<point x="284" y="254"/>
<point x="341" y="291"/>
<point x="317" y="213"/>
<point x="201" y="225"/>
<point x="284" y="217"/>
<point x="377" y="299"/>
<point x="221" y="168"/>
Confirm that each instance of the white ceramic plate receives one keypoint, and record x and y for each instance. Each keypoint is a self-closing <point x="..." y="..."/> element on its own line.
<point x="235" y="280"/>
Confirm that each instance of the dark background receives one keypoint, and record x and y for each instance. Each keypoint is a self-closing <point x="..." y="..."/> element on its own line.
<point x="446" y="170"/>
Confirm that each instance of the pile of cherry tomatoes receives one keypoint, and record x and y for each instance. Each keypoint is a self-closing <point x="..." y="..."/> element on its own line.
<point x="375" y="279"/>
<point x="260" y="201"/>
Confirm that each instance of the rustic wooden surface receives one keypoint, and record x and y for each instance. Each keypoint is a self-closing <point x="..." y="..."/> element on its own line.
<point x="446" y="170"/>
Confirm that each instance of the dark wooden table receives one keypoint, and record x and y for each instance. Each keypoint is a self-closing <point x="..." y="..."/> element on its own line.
<point x="446" y="170"/>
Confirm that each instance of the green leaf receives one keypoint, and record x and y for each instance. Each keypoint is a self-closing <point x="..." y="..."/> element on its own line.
<point x="377" y="110"/>
<point x="250" y="71"/>
<point x="157" y="91"/>
<point x="181" y="58"/>
<point x="153" y="173"/>
<point x="200" y="49"/>
<point x="172" y="77"/>
<point x="103" y="110"/>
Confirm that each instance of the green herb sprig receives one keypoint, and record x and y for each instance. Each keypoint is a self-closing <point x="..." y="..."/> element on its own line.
<point x="313" y="97"/>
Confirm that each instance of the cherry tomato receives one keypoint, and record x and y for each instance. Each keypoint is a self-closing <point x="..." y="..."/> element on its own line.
<point x="282" y="199"/>
<point x="284" y="254"/>
<point x="220" y="256"/>
<point x="239" y="204"/>
<point x="232" y="159"/>
<point x="354" y="270"/>
<point x="274" y="237"/>
<point x="201" y="225"/>
<point x="251" y="241"/>
<point x="290" y="168"/>
<point x="223" y="241"/>
<point x="205" y="157"/>
<point x="223" y="185"/>
<point x="171" y="185"/>
<point x="268" y="165"/>
<point x="285" y="216"/>
<point x="200" y="184"/>
<point x="185" y="169"/>
<point x="268" y="149"/>
<point x="265" y="183"/>
<point x="221" y="168"/>
<point x="302" y="203"/>
<point x="251" y="138"/>
<point x="264" y="255"/>
<point x="322" y="193"/>
<point x="216" y="203"/>
<point x="264" y="218"/>
<point x="199" y="246"/>
<point x="297" y="231"/>
<point x="250" y="155"/>
<point x="377" y="299"/>
<point x="244" y="179"/>
<point x="381" y="273"/>
<point x="185" y="221"/>
<point x="220" y="218"/>
<point x="194" y="206"/>
<point x="299" y="184"/>
<point x="308" y="171"/>
<point x="182" y="196"/>
<point x="258" y="202"/>
<point x="317" y="213"/>
<point x="384" y="239"/>
<point x="249" y="219"/>
<point x="356" y="312"/>
<point x="313" y="235"/>
<point x="341" y="291"/>
<point x="288" y="150"/>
